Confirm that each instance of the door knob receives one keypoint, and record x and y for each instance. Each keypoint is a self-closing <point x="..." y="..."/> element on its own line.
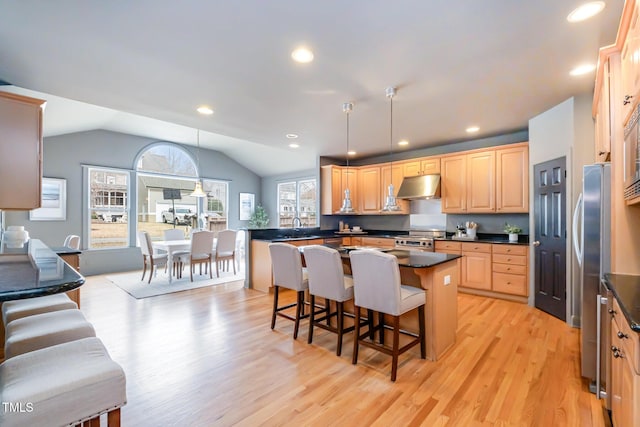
<point x="536" y="243"/>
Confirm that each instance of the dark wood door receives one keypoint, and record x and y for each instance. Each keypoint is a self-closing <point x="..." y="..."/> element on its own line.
<point x="550" y="237"/>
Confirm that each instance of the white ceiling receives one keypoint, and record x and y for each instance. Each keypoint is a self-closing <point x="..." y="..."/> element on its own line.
<point x="143" y="66"/>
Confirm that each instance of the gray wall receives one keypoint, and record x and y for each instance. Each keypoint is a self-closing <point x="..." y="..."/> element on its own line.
<point x="63" y="158"/>
<point x="269" y="191"/>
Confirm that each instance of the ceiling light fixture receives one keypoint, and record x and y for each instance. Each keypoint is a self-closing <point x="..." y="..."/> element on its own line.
<point x="472" y="129"/>
<point x="403" y="142"/>
<point x="291" y="136"/>
<point x="586" y="11"/>
<point x="198" y="192"/>
<point x="204" y="109"/>
<point x="293" y="145"/>
<point x="581" y="70"/>
<point x="302" y="55"/>
<point x="351" y="153"/>
<point x="347" y="107"/>
<point x="390" y="204"/>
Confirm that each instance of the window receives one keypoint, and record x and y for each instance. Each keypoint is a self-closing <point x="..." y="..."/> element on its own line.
<point x="297" y="200"/>
<point x="108" y="207"/>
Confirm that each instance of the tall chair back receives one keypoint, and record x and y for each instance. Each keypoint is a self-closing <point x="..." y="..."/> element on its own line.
<point x="287" y="266"/>
<point x="145" y="243"/>
<point x="226" y="242"/>
<point x="201" y="243"/>
<point x="376" y="281"/>
<point x="326" y="274"/>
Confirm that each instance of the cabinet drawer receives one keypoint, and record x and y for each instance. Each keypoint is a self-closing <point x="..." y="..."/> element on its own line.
<point x="444" y="245"/>
<point x="476" y="247"/>
<point x="510" y="259"/>
<point x="509" y="268"/>
<point x="378" y="241"/>
<point x="629" y="338"/>
<point x="510" y="249"/>
<point x="510" y="284"/>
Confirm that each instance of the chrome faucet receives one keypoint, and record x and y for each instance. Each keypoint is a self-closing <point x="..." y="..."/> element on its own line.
<point x="294" y="220"/>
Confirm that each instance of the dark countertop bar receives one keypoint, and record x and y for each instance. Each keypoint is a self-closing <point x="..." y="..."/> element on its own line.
<point x="626" y="289"/>
<point x="33" y="271"/>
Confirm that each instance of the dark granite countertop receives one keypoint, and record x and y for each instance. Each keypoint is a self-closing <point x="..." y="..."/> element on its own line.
<point x="34" y="270"/>
<point x="65" y="250"/>
<point x="626" y="289"/>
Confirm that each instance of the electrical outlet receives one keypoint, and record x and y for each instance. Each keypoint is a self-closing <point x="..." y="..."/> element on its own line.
<point x="447" y="279"/>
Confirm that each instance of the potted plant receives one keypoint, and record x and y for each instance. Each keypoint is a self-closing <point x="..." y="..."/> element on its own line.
<point x="259" y="218"/>
<point x="512" y="231"/>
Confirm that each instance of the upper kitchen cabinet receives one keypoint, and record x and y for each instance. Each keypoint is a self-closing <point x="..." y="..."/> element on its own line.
<point x="369" y="189"/>
<point x="512" y="179"/>
<point x="486" y="181"/>
<point x="601" y="114"/>
<point x="334" y="180"/>
<point x="20" y="151"/>
<point x="481" y="182"/>
<point x="421" y="166"/>
<point x="454" y="184"/>
<point x="630" y="65"/>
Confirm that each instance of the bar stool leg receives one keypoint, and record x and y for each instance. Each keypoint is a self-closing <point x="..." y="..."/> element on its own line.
<point x="396" y="345"/>
<point x="340" y="310"/>
<point x="356" y="336"/>
<point x="381" y="326"/>
<point x="299" y="309"/>
<point x="275" y="306"/>
<point x="312" y="300"/>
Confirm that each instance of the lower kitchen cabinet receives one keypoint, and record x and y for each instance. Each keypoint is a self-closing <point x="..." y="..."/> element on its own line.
<point x="74" y="262"/>
<point x="510" y="269"/>
<point x="448" y="247"/>
<point x="625" y="372"/>
<point x="378" y="242"/>
<point x="476" y="265"/>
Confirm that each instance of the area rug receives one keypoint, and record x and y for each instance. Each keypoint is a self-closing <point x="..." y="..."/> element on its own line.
<point x="131" y="283"/>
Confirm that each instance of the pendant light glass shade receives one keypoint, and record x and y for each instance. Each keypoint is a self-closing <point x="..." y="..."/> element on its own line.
<point x="347" y="207"/>
<point x="390" y="204"/>
<point x="198" y="192"/>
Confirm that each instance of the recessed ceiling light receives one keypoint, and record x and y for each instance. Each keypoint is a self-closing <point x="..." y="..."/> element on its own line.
<point x="204" y="109"/>
<point x="292" y="136"/>
<point x="582" y="70"/>
<point x="302" y="55"/>
<point x="403" y="142"/>
<point x="473" y="129"/>
<point x="586" y="11"/>
<point x="351" y="153"/>
<point x="293" y="145"/>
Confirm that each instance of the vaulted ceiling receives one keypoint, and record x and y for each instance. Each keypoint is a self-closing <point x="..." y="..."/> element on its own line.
<point x="143" y="66"/>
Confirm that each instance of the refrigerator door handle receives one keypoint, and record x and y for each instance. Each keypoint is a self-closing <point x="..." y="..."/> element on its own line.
<point x="577" y="246"/>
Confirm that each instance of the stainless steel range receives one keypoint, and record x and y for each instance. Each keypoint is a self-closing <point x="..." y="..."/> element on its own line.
<point x="419" y="240"/>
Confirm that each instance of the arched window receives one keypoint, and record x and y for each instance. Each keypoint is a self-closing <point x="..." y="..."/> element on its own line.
<point x="167" y="159"/>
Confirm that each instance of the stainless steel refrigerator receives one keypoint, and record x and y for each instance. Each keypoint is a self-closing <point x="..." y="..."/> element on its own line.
<point x="592" y="244"/>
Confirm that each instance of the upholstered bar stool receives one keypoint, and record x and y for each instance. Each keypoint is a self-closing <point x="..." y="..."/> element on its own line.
<point x="45" y="330"/>
<point x="62" y="385"/>
<point x="12" y="310"/>
<point x="286" y="263"/>
<point x="376" y="285"/>
<point x="327" y="280"/>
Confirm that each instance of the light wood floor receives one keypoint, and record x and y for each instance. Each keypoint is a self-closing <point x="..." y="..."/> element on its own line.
<point x="207" y="357"/>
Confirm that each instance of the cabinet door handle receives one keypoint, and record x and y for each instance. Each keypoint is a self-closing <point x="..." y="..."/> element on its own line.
<point x="627" y="99"/>
<point x="622" y="335"/>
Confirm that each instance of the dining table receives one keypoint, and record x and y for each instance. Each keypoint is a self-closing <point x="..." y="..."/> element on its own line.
<point x="173" y="246"/>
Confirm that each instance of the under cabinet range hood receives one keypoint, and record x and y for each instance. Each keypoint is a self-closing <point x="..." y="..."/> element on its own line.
<point x="420" y="187"/>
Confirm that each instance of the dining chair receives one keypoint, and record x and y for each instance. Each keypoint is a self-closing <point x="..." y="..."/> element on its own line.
<point x="286" y="263"/>
<point x="226" y="250"/>
<point x="327" y="280"/>
<point x="201" y="253"/>
<point x="377" y="286"/>
<point x="149" y="257"/>
<point x="72" y="241"/>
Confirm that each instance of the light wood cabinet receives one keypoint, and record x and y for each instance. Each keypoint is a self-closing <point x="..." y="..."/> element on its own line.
<point x="453" y="184"/>
<point x="74" y="262"/>
<point x="602" y="117"/>
<point x="378" y="242"/>
<point x="448" y="247"/>
<point x="411" y="168"/>
<point x="369" y="189"/>
<point x="625" y="374"/>
<point x="481" y="182"/>
<point x="510" y="266"/>
<point x="630" y="65"/>
<point x="476" y="265"/>
<point x="20" y="151"/>
<point x="512" y="179"/>
<point x="430" y="165"/>
<point x="486" y="181"/>
<point x="333" y="181"/>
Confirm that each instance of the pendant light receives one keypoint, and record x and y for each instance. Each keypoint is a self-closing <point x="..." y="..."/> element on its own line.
<point x="198" y="192"/>
<point x="347" y="107"/>
<point x="390" y="204"/>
